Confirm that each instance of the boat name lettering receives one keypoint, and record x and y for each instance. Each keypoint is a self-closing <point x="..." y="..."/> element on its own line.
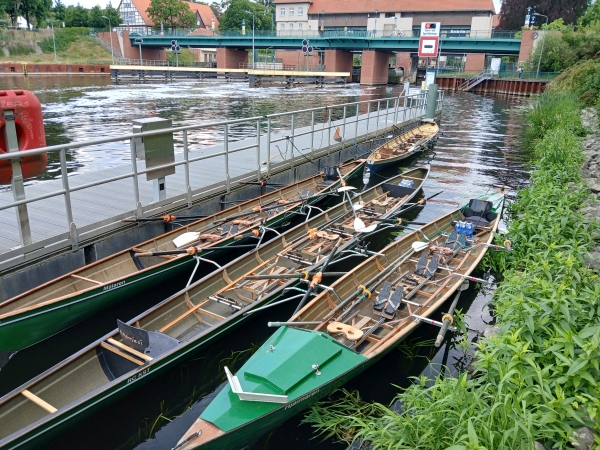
<point x="301" y="399"/>
<point x="108" y="287"/>
<point x="137" y="376"/>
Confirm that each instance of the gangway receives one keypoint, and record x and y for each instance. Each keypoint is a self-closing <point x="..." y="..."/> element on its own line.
<point x="470" y="83"/>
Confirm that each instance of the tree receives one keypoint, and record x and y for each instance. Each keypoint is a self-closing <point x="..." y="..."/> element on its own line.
<point x="237" y="11"/>
<point x="112" y="13"/>
<point x="76" y="16"/>
<point x="173" y="13"/>
<point x="217" y="10"/>
<point x="96" y="19"/>
<point x="59" y="10"/>
<point x="513" y="12"/>
<point x="592" y="14"/>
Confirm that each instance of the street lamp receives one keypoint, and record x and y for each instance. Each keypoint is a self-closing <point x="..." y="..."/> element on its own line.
<point x="112" y="52"/>
<point x="53" y="40"/>
<point x="543" y="40"/>
<point x="376" y="13"/>
<point x="250" y="12"/>
<point x="323" y="20"/>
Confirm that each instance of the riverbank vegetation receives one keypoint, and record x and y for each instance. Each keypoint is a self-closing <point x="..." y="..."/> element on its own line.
<point x="536" y="380"/>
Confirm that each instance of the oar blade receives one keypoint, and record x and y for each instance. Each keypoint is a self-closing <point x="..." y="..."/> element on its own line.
<point x="360" y="227"/>
<point x="185" y="238"/>
<point x="418" y="246"/>
<point x="346" y="188"/>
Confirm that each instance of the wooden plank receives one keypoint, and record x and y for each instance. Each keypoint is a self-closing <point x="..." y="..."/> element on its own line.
<point x="128" y="349"/>
<point x="120" y="353"/>
<point x="183" y="316"/>
<point x="211" y="314"/>
<point x="38" y="401"/>
<point x="86" y="279"/>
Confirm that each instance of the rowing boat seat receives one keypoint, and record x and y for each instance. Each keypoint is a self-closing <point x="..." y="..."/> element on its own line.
<point x="383" y="296"/>
<point x="234" y="229"/>
<point x="329" y="236"/>
<point x="307" y="193"/>
<point x="456" y="241"/>
<point x="330" y="176"/>
<point x="225" y="229"/>
<point x="479" y="212"/>
<point x="395" y="302"/>
<point x="383" y="202"/>
<point x="395" y="191"/>
<point x="422" y="264"/>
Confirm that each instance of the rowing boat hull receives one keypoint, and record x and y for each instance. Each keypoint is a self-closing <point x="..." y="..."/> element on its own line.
<point x="31" y="324"/>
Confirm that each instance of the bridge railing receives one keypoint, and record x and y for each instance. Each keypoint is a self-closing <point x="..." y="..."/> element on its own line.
<point x="280" y="66"/>
<point x="338" y="33"/>
<point x="293" y="137"/>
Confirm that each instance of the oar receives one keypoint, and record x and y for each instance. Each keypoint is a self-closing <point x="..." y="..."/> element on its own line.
<point x="191" y="250"/>
<point x="421" y="202"/>
<point x="167" y="218"/>
<point x="303" y="275"/>
<point x="359" y="225"/>
<point x="317" y="277"/>
<point x="448" y="318"/>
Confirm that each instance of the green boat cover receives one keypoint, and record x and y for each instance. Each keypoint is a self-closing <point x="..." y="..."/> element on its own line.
<point x="283" y="365"/>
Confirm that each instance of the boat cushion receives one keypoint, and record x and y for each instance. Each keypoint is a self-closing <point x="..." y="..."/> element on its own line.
<point x="292" y="361"/>
<point x="478" y="208"/>
<point x="397" y="191"/>
<point x="330" y="173"/>
<point x="152" y="343"/>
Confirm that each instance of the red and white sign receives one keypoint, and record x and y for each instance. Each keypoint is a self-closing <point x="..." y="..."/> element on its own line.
<point x="428" y="46"/>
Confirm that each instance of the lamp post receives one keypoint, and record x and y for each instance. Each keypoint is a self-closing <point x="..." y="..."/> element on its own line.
<point x="53" y="40"/>
<point x="112" y="53"/>
<point x="542" y="49"/>
<point x="322" y="20"/>
<point x="250" y="12"/>
<point x="375" y="31"/>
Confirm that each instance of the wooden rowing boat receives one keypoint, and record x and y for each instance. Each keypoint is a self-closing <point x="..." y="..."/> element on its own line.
<point x="195" y="317"/>
<point x="402" y="146"/>
<point x="54" y="306"/>
<point x="344" y="330"/>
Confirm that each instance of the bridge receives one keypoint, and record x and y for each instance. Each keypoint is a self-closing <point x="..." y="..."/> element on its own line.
<point x="495" y="42"/>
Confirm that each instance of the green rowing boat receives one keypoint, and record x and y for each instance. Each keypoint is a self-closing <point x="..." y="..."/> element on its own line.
<point x="192" y="319"/>
<point x="346" y="328"/>
<point x="54" y="306"/>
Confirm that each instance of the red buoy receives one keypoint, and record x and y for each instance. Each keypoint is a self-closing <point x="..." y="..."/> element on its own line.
<point x="30" y="132"/>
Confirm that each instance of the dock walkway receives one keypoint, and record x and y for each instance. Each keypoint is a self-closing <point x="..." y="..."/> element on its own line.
<point x="98" y="209"/>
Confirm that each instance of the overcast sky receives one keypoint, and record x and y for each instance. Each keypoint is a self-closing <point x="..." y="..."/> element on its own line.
<point x="115" y="3"/>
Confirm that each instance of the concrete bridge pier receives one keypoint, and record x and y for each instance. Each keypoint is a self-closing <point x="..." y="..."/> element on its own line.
<point x="339" y="61"/>
<point x="475" y="62"/>
<point x="230" y="58"/>
<point x="374" y="67"/>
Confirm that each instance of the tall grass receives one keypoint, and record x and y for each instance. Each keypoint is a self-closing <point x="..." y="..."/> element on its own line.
<point x="538" y="379"/>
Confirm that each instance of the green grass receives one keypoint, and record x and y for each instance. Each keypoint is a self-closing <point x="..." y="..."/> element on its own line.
<point x="538" y="379"/>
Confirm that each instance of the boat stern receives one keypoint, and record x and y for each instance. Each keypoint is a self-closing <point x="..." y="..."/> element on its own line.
<point x="200" y="433"/>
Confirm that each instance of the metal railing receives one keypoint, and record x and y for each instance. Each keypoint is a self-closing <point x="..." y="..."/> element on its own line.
<point x="327" y="33"/>
<point x="374" y="114"/>
<point x="280" y="66"/>
<point x="166" y="63"/>
<point x="485" y="74"/>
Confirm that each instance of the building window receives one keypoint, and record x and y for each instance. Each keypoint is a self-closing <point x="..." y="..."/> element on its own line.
<point x="282" y="26"/>
<point x="291" y="11"/>
<point x="300" y="10"/>
<point x="390" y="15"/>
<point x="291" y="26"/>
<point x="299" y="26"/>
<point x="309" y="27"/>
<point x="282" y="11"/>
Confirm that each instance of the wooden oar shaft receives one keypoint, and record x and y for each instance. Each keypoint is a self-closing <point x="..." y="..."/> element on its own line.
<point x="292" y="275"/>
<point x="167" y="218"/>
<point x="420" y="203"/>
<point x="189" y="251"/>
<point x="448" y="318"/>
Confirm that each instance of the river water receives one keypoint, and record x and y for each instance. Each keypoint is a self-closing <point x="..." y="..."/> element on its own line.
<point x="479" y="146"/>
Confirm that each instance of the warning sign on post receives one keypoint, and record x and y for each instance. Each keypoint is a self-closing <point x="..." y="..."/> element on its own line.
<point x="430" y="28"/>
<point x="428" y="46"/>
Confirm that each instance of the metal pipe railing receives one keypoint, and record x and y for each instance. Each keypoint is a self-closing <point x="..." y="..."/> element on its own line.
<point x="413" y="105"/>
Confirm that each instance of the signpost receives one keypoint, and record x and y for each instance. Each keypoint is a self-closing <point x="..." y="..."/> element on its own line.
<point x="429" y="42"/>
<point x="176" y="49"/>
<point x="139" y="42"/>
<point x="307" y="49"/>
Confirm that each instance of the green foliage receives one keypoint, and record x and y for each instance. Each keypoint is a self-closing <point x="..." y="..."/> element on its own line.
<point x="112" y="12"/>
<point x="237" y="11"/>
<point x="557" y="54"/>
<point x="559" y="25"/>
<point x="173" y="14"/>
<point x="185" y="56"/>
<point x="59" y="10"/>
<point x="77" y="16"/>
<point x="582" y="79"/>
<point x="513" y="12"/>
<point x="63" y="37"/>
<point x="592" y="14"/>
<point x="20" y="49"/>
<point x="95" y="18"/>
<point x="538" y="378"/>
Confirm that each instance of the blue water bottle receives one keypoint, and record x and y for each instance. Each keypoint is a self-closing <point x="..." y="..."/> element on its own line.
<point x="470" y="229"/>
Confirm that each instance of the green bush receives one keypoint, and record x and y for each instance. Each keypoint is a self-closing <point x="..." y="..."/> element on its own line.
<point x="20" y="49"/>
<point x="63" y="37"/>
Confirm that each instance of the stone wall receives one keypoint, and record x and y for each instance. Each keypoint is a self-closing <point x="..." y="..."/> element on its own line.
<point x="591" y="173"/>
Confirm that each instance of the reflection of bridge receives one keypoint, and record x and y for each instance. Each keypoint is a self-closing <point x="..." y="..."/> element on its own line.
<point x="499" y="43"/>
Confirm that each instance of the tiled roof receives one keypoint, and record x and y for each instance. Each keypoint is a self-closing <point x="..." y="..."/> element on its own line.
<point x="204" y="11"/>
<point x="363" y="6"/>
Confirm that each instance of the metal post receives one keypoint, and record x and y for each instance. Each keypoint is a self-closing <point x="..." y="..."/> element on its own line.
<point x="226" y="145"/>
<point x="431" y="102"/>
<point x="329" y="131"/>
<point x="387" y="111"/>
<point x="112" y="53"/>
<point x="292" y="136"/>
<point x="368" y="115"/>
<point x="18" y="189"/>
<point x="68" y="208"/>
<point x="53" y="40"/>
<point x="136" y="188"/>
<point x="186" y="158"/>
<point x="396" y="106"/>
<point x="258" y="150"/>
<point x="357" y="117"/>
<point x="378" y="113"/>
<point x="312" y="132"/>
<point x="268" y="147"/>
<point x="542" y="49"/>
<point x="344" y="124"/>
<point x="140" y="45"/>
